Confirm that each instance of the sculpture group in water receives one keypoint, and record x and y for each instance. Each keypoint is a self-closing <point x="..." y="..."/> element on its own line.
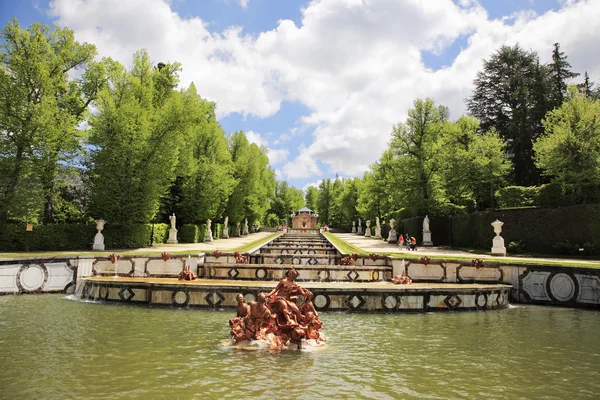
<point x="276" y="318"/>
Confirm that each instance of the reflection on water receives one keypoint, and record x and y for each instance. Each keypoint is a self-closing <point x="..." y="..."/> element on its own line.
<point x="51" y="347"/>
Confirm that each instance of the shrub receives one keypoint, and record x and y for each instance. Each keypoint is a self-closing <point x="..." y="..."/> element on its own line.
<point x="566" y="247"/>
<point x="516" y="247"/>
<point x="189" y="233"/>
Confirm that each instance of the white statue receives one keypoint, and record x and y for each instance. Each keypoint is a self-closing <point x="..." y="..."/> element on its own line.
<point x="392" y="236"/>
<point x="173" y="231"/>
<point x="368" y="228"/>
<point x="99" y="238"/>
<point x="208" y="237"/>
<point x="245" y="227"/>
<point x="225" y="232"/>
<point x="237" y="229"/>
<point x="377" y="229"/>
<point x="359" y="231"/>
<point x="353" y="226"/>
<point x="426" y="232"/>
<point x="498" y="248"/>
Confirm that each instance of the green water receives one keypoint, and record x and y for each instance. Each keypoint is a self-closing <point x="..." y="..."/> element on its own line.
<point x="55" y="348"/>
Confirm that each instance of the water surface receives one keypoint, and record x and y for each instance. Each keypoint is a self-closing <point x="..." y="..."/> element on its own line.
<point x="55" y="348"/>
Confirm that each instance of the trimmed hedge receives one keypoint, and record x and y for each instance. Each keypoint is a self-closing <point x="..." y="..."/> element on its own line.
<point x="189" y="233"/>
<point x="56" y="237"/>
<point x="539" y="229"/>
<point x="47" y="237"/>
<point x="192" y="233"/>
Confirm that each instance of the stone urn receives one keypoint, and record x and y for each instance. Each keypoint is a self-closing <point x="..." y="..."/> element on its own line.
<point x="498" y="248"/>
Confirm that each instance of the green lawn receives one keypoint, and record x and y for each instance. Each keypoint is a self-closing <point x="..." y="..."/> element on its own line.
<point x="349" y="248"/>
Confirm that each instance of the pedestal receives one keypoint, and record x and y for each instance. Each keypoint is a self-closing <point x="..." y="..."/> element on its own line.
<point x="377" y="233"/>
<point x="225" y="233"/>
<point x="98" y="242"/>
<point x="353" y="229"/>
<point x="359" y="231"/>
<point x="172" y="236"/>
<point x="427" y="238"/>
<point x="498" y="248"/>
<point x="393" y="237"/>
<point x="368" y="232"/>
<point x="208" y="236"/>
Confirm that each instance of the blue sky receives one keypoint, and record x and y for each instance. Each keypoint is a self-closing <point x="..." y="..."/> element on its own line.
<point x="338" y="138"/>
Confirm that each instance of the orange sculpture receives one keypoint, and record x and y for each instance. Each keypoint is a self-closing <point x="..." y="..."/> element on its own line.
<point x="275" y="317"/>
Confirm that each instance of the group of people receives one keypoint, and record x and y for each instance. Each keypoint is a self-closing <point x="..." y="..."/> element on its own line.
<point x="276" y="317"/>
<point x="409" y="241"/>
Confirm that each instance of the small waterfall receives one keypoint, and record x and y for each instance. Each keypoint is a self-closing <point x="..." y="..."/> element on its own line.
<point x="79" y="286"/>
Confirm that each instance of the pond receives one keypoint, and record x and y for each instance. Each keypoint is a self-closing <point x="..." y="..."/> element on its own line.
<point x="53" y="347"/>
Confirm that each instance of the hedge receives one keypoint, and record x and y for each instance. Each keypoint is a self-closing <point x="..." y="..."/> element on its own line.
<point x="539" y="229"/>
<point x="193" y="233"/>
<point x="56" y="237"/>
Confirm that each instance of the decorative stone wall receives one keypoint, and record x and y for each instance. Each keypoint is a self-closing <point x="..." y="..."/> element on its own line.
<point x="37" y="276"/>
<point x="351" y="298"/>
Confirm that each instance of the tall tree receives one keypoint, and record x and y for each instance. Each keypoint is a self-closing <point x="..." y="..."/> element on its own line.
<point x="511" y="95"/>
<point x="569" y="150"/>
<point x="475" y="165"/>
<point x="255" y="180"/>
<point x="324" y="201"/>
<point x="205" y="170"/>
<point x="586" y="86"/>
<point x="310" y="199"/>
<point x="40" y="108"/>
<point x="559" y="72"/>
<point x="136" y="137"/>
<point x="415" y="144"/>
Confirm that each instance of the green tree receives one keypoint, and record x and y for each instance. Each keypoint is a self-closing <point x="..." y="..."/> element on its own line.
<point x="416" y="146"/>
<point x="136" y="137"/>
<point x="586" y="86"/>
<point x="474" y="165"/>
<point x="255" y="180"/>
<point x="287" y="199"/>
<point x="324" y="201"/>
<point x="511" y="95"/>
<point x="569" y="150"/>
<point x="310" y="199"/>
<point x="205" y="170"/>
<point x="559" y="72"/>
<point x="40" y="109"/>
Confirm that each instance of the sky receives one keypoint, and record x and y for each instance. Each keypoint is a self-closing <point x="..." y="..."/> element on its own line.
<point x="321" y="83"/>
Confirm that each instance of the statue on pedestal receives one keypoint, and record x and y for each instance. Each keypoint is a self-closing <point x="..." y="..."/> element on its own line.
<point x="208" y="236"/>
<point x="377" y="228"/>
<point x="359" y="230"/>
<point x="393" y="236"/>
<point x="225" y="233"/>
<point x="99" y="237"/>
<point x="173" y="231"/>
<point x="426" y="232"/>
<point x="368" y="228"/>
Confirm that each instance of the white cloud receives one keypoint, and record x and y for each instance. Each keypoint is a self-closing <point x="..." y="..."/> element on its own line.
<point x="356" y="64"/>
<point x="277" y="156"/>
<point x="254" y="137"/>
<point x="314" y="184"/>
<point x="243" y="3"/>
